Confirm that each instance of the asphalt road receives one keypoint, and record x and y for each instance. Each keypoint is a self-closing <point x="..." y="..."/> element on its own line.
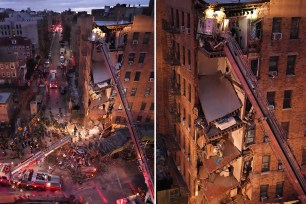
<point x="57" y="102"/>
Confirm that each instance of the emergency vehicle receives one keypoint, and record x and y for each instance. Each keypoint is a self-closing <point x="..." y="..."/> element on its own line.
<point x="29" y="178"/>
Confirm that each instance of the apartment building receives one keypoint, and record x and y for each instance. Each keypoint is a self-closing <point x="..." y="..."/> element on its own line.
<point x="135" y="63"/>
<point x="20" y="46"/>
<point x="21" y="24"/>
<point x="216" y="118"/>
<point x="6" y="107"/>
<point x="9" y="68"/>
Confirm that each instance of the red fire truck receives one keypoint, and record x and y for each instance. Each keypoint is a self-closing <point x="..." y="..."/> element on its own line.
<point x="29" y="178"/>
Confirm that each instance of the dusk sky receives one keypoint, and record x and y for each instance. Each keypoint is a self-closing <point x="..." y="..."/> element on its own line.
<point x="61" y="5"/>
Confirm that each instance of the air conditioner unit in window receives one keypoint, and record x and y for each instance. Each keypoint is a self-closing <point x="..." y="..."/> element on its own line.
<point x="135" y="42"/>
<point x="263" y="198"/>
<point x="279" y="197"/>
<point x="188" y="67"/>
<point x="277" y="36"/>
<point x="178" y="168"/>
<point x="271" y="107"/>
<point x="151" y="79"/>
<point x="188" y="31"/>
<point x="127" y="79"/>
<point x="183" y="29"/>
<point x="189" y="129"/>
<point x="273" y="74"/>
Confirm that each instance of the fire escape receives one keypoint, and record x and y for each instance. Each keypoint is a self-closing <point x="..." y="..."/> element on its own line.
<point x="266" y="116"/>
<point x="172" y="58"/>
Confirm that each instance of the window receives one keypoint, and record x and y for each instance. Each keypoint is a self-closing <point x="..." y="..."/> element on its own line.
<point x="146" y="37"/>
<point x="287" y="99"/>
<point x="285" y="126"/>
<point x="130" y="105"/>
<point x="120" y="107"/>
<point x="273" y="64"/>
<point x="135" y="36"/>
<point x="183" y="18"/>
<point x="271" y="98"/>
<point x="254" y="67"/>
<point x="8" y="74"/>
<point x="12" y="66"/>
<point x="131" y="58"/>
<point x="184" y="61"/>
<point x="3" y="74"/>
<point x="141" y="58"/>
<point x="188" y="20"/>
<point x="133" y="91"/>
<point x="13" y="74"/>
<point x="151" y="76"/>
<point x="265" y="163"/>
<point x="184" y="87"/>
<point x="290" y="64"/>
<point x="276" y="25"/>
<point x="264" y="191"/>
<point x="148" y="92"/>
<point x="279" y="189"/>
<point x="7" y="66"/>
<point x="137" y="76"/>
<point x="177" y="17"/>
<point x="152" y="107"/>
<point x="280" y="165"/>
<point x="148" y="119"/>
<point x="294" y="32"/>
<point x="250" y="135"/>
<point x="305" y="131"/>
<point x="1" y="66"/>
<point x="118" y="119"/>
<point x="127" y="76"/>
<point x="189" y="92"/>
<point x="139" y="118"/>
<point x="143" y="106"/>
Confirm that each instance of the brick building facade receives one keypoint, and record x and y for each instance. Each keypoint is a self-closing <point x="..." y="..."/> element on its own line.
<point x="190" y="59"/>
<point x="9" y="68"/>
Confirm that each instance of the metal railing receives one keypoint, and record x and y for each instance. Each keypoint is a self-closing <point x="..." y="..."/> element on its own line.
<point x="268" y="114"/>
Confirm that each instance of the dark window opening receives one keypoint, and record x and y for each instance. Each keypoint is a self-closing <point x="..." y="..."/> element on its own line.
<point x="265" y="166"/>
<point x="290" y="65"/>
<point x="276" y="25"/>
<point x="141" y="58"/>
<point x="135" y="35"/>
<point x="137" y="76"/>
<point x="294" y="32"/>
<point x="287" y="99"/>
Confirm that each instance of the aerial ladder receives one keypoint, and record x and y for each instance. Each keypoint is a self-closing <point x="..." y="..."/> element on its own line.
<point x="131" y="126"/>
<point x="41" y="154"/>
<point x="266" y="117"/>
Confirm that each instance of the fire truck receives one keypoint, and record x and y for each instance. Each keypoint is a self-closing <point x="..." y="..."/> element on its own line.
<point x="29" y="178"/>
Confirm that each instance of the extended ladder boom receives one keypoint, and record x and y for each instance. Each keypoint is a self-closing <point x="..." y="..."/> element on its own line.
<point x="267" y="118"/>
<point x="41" y="154"/>
<point x="132" y="129"/>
